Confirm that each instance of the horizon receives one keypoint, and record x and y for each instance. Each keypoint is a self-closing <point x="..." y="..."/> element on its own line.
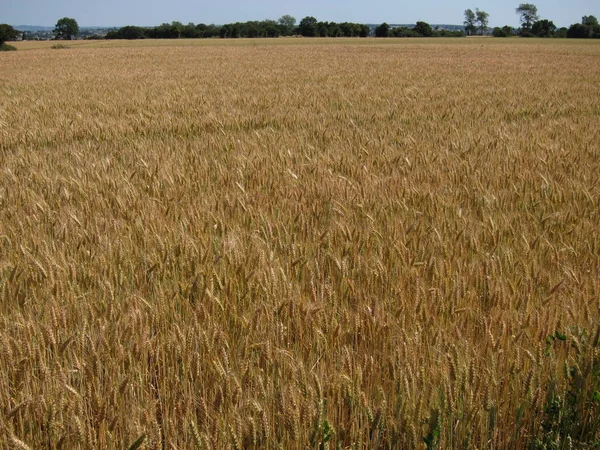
<point x="221" y="24"/>
<point x="152" y="12"/>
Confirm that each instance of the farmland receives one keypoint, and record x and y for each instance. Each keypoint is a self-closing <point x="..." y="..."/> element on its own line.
<point x="299" y="243"/>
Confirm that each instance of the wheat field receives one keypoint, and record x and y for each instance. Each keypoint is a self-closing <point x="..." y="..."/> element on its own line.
<point x="300" y="244"/>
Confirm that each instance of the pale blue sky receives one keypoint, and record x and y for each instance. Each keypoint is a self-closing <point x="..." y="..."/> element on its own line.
<point x="154" y="12"/>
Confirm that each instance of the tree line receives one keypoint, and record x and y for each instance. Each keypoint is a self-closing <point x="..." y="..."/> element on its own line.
<point x="532" y="25"/>
<point x="420" y="29"/>
<point x="475" y="22"/>
<point x="285" y="26"/>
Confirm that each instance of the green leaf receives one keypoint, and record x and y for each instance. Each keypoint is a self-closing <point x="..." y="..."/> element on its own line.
<point x="138" y="443"/>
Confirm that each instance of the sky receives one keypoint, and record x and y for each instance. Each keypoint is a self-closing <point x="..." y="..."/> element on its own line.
<point x="154" y="12"/>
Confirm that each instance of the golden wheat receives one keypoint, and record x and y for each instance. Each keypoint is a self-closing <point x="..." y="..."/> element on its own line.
<point x="297" y="243"/>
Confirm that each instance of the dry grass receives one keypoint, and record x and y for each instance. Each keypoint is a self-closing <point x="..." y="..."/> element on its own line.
<point x="356" y="245"/>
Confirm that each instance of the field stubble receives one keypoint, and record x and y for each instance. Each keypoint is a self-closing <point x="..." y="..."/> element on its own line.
<point x="300" y="246"/>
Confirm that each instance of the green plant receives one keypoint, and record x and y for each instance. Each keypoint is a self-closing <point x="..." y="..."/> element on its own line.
<point x="572" y="414"/>
<point x="4" y="47"/>
<point x="434" y="431"/>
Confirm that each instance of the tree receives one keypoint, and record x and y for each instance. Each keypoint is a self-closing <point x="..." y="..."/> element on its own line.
<point x="529" y="15"/>
<point x="335" y="30"/>
<point x="225" y="31"/>
<point x="505" y="31"/>
<point x="128" y="32"/>
<point x="166" y="31"/>
<point x="365" y="31"/>
<point x="308" y="26"/>
<point x="323" y="29"/>
<point x="592" y="24"/>
<point x="382" y="30"/>
<point x="543" y="28"/>
<point x="469" y="22"/>
<point x="423" y="28"/>
<point x="589" y="21"/>
<point x="207" y="31"/>
<point x="499" y="32"/>
<point x="482" y="21"/>
<point x="270" y="28"/>
<point x="190" y="31"/>
<point x="66" y="28"/>
<point x="402" y="32"/>
<point x="349" y="29"/>
<point x="508" y="30"/>
<point x="561" y="33"/>
<point x="231" y="30"/>
<point x="177" y="28"/>
<point x="579" y="31"/>
<point x="288" y="23"/>
<point x="7" y="33"/>
<point x="588" y="28"/>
